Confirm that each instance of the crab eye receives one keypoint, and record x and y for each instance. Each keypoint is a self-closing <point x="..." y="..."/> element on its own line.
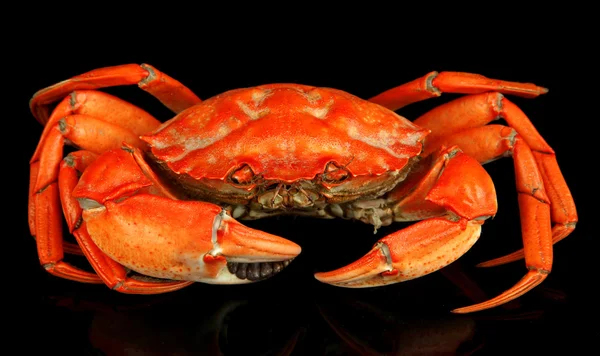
<point x="335" y="174"/>
<point x="242" y="175"/>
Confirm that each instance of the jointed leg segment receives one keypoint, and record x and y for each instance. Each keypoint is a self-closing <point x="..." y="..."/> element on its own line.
<point x="463" y="122"/>
<point x="95" y="122"/>
<point x="434" y="84"/>
<point x="169" y="91"/>
<point x="450" y="124"/>
<point x="110" y="272"/>
<point x="546" y="206"/>
<point x="49" y="236"/>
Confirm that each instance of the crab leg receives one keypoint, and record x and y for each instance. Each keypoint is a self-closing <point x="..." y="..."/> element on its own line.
<point x="110" y="109"/>
<point x="88" y="133"/>
<point x="449" y="124"/>
<point x="169" y="91"/>
<point x="48" y="225"/>
<point x="534" y="205"/>
<point x="97" y="136"/>
<point x="434" y="84"/>
<point x="96" y="104"/>
<point x="49" y="240"/>
<point x="83" y="131"/>
<point x="109" y="272"/>
<point x="434" y="243"/>
<point x="68" y="247"/>
<point x="100" y="105"/>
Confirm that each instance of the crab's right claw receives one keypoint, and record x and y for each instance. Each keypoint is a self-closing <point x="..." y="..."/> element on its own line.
<point x="139" y="226"/>
<point x="185" y="240"/>
<point x="420" y="249"/>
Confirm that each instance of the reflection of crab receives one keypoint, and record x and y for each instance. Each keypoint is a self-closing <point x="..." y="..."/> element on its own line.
<point x="164" y="199"/>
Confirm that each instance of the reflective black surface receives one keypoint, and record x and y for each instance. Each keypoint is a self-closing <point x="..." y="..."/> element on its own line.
<point x="292" y="313"/>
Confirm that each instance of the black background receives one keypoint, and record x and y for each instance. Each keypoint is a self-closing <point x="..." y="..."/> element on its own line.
<point x="560" y="314"/>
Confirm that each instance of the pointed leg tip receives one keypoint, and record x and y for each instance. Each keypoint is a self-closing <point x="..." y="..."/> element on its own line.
<point x="527" y="283"/>
<point x="494" y="263"/>
<point x="485" y="264"/>
<point x="466" y="310"/>
<point x="515" y="256"/>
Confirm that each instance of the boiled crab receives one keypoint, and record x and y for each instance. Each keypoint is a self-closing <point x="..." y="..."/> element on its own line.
<point x="164" y="200"/>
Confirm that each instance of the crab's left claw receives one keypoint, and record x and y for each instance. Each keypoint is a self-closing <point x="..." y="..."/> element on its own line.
<point x="420" y="249"/>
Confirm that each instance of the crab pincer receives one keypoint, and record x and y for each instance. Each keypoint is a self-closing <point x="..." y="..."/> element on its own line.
<point x="139" y="225"/>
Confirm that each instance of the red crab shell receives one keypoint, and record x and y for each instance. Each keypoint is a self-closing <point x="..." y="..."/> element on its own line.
<point x="285" y="132"/>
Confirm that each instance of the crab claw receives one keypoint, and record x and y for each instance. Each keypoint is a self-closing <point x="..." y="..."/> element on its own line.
<point x="420" y="249"/>
<point x="185" y="240"/>
<point x="136" y="223"/>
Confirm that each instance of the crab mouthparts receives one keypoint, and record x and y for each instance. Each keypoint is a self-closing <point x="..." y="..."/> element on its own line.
<point x="258" y="270"/>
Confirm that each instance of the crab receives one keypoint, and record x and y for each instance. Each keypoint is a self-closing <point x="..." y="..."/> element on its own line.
<point x="165" y="200"/>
